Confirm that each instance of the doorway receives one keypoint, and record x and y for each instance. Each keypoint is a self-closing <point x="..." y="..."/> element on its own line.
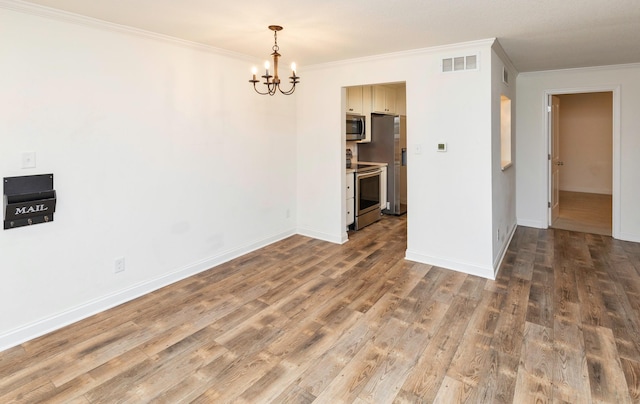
<point x="581" y="158"/>
<point x="382" y="106"/>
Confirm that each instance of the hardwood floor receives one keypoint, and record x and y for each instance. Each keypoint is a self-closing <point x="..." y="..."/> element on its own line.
<point x="304" y="321"/>
<point x="584" y="212"/>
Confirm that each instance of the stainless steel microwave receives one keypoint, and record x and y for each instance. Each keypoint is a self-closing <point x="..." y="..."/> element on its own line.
<point x="355" y="127"/>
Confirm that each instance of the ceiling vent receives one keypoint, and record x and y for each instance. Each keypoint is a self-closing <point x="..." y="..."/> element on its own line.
<point x="460" y="63"/>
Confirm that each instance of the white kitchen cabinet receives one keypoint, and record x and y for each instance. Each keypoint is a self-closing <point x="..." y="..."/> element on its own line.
<point x="351" y="192"/>
<point x="383" y="100"/>
<point x="383" y="188"/>
<point x="366" y="111"/>
<point x="401" y="100"/>
<point x="350" y="185"/>
<point x="354" y="100"/>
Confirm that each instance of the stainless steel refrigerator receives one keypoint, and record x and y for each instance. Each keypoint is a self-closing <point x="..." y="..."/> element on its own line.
<point x="389" y="145"/>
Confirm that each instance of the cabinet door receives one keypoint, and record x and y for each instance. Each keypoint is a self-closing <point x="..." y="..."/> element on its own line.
<point x="350" y="186"/>
<point x="390" y="100"/>
<point x="351" y="216"/>
<point x="354" y="100"/>
<point x="366" y="100"/>
<point x="383" y="100"/>
<point x="401" y="100"/>
<point x="378" y="103"/>
<point x="366" y="111"/>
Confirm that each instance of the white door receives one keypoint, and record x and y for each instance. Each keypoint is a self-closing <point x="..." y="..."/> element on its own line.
<point x="555" y="161"/>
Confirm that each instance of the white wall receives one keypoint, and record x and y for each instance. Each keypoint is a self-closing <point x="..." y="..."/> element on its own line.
<point x="586" y="142"/>
<point x="503" y="182"/>
<point x="162" y="154"/>
<point x="449" y="194"/>
<point x="531" y="141"/>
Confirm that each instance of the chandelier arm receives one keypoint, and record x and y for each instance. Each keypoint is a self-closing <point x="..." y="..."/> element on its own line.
<point x="259" y="92"/>
<point x="271" y="88"/>
<point x="289" y="92"/>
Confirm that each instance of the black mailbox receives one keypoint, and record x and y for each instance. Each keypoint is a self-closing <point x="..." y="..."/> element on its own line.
<point x="28" y="200"/>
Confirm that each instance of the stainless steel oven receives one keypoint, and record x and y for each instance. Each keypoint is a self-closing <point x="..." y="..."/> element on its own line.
<point x="367" y="194"/>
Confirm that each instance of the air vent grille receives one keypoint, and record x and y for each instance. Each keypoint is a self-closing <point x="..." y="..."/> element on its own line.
<point x="460" y="63"/>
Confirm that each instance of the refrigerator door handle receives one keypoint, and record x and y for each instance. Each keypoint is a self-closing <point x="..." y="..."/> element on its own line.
<point x="404" y="156"/>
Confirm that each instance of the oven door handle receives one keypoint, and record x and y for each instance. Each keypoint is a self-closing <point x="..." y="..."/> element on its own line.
<point x="368" y="174"/>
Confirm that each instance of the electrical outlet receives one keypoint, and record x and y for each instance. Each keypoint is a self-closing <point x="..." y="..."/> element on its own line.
<point x="118" y="265"/>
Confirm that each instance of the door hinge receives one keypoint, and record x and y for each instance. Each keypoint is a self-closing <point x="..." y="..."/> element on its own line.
<point x="549" y="157"/>
<point x="548" y="204"/>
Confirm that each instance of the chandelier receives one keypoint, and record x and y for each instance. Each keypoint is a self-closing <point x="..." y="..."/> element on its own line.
<point x="273" y="82"/>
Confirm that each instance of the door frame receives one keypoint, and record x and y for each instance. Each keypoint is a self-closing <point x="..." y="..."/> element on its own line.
<point x="554" y="142"/>
<point x="615" y="194"/>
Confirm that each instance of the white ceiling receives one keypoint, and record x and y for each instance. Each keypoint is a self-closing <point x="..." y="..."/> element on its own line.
<point x="536" y="34"/>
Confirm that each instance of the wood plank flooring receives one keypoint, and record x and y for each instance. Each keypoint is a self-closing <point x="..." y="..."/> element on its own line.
<point x="304" y="321"/>
<point x="584" y="212"/>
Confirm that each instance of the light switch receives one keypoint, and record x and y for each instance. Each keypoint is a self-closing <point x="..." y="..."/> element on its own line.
<point x="29" y="160"/>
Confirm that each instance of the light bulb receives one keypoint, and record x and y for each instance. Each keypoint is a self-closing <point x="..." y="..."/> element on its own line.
<point x="293" y="68"/>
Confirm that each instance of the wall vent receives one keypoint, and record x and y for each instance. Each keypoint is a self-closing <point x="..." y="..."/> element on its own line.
<point x="460" y="63"/>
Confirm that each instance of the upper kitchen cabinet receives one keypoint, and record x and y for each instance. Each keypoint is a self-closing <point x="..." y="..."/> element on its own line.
<point x="359" y="100"/>
<point x="354" y="100"/>
<point x="401" y="100"/>
<point x="383" y="100"/>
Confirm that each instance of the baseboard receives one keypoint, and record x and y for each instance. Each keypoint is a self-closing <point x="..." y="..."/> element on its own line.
<point x="532" y="223"/>
<point x="471" y="269"/>
<point x="503" y="252"/>
<point x="629" y="237"/>
<point x="38" y="328"/>
<point x="584" y="190"/>
<point x="345" y="237"/>
<point x="332" y="238"/>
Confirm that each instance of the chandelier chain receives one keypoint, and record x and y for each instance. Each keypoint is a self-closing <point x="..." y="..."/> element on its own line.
<point x="275" y="41"/>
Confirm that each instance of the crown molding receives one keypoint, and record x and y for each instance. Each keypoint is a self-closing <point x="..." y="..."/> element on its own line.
<point x="497" y="47"/>
<point x="413" y="52"/>
<point x="586" y="68"/>
<point x="65" y="16"/>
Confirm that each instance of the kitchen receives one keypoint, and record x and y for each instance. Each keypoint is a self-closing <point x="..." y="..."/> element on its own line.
<point x="376" y="153"/>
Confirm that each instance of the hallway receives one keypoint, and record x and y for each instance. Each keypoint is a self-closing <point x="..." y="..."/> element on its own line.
<point x="584" y="212"/>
